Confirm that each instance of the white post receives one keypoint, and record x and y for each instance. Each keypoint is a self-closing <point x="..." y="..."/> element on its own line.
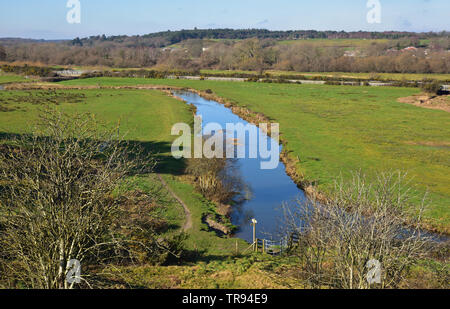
<point x="254" y="222"/>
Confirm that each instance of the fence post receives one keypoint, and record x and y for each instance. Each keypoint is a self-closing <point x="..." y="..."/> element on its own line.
<point x="264" y="246"/>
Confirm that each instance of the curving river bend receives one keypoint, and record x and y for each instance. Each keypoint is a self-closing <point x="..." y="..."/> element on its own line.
<point x="269" y="188"/>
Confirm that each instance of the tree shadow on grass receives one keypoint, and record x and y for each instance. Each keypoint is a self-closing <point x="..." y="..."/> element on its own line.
<point x="4" y="137"/>
<point x="162" y="153"/>
<point x="159" y="151"/>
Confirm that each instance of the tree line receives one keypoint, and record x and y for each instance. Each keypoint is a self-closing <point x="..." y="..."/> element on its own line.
<point x="403" y="55"/>
<point x="173" y="37"/>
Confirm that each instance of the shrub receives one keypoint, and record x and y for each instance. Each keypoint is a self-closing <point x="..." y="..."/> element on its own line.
<point x="362" y="221"/>
<point x="433" y="87"/>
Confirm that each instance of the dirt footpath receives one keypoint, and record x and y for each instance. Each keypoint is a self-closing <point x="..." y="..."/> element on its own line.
<point x="188" y="223"/>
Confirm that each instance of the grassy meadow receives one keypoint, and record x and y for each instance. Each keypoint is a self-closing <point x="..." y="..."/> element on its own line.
<point x="145" y="116"/>
<point x="376" y="76"/>
<point x="9" y="78"/>
<point x="332" y="129"/>
<point x="337" y="129"/>
<point x="277" y="73"/>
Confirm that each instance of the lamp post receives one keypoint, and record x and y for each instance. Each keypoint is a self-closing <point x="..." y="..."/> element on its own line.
<point x="254" y="222"/>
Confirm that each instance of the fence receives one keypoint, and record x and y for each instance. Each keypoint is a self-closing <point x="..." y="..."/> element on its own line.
<point x="275" y="247"/>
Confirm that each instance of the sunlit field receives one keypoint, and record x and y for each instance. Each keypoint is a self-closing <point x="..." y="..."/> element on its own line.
<point x="334" y="130"/>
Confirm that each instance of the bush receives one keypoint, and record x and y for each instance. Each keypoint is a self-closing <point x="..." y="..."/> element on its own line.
<point x="433" y="87"/>
<point x="60" y="200"/>
<point x="28" y="70"/>
<point x="362" y="221"/>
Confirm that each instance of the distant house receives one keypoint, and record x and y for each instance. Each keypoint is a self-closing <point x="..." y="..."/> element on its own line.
<point x="69" y="73"/>
<point x="392" y="51"/>
<point x="350" y="53"/>
<point x="173" y="49"/>
<point x="410" y="48"/>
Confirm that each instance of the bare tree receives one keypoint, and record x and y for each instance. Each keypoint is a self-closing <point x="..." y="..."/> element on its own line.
<point x="253" y="55"/>
<point x="58" y="199"/>
<point x="2" y="53"/>
<point x="218" y="179"/>
<point x="361" y="222"/>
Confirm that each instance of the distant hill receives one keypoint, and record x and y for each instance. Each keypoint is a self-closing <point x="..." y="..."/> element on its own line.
<point x="173" y="37"/>
<point x="227" y="49"/>
<point x="165" y="38"/>
<point x="14" y="41"/>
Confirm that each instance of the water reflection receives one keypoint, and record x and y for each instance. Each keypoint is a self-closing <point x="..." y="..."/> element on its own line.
<point x="268" y="188"/>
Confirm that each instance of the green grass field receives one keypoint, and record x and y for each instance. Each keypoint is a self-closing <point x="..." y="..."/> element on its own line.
<point x="276" y="73"/>
<point x="332" y="129"/>
<point x="146" y="116"/>
<point x="8" y="78"/>
<point x="377" y="76"/>
<point x="338" y="129"/>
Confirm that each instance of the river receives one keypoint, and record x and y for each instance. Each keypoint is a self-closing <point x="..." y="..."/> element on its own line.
<point x="269" y="188"/>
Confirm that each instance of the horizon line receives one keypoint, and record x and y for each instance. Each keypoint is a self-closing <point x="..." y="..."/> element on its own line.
<point x="235" y="29"/>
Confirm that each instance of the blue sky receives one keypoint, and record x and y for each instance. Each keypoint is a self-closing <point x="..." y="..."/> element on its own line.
<point x="46" y="19"/>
